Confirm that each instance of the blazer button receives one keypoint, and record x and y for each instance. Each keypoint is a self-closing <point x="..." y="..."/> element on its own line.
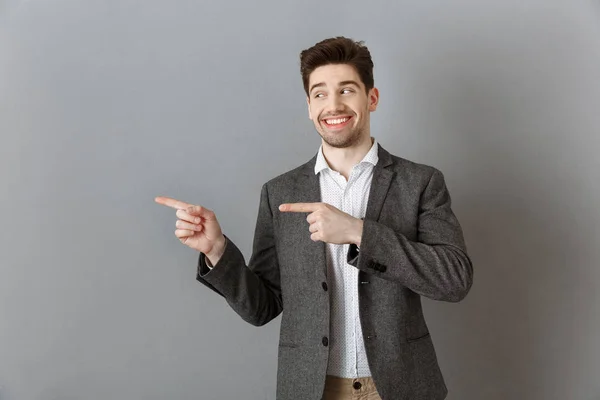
<point x="325" y="341"/>
<point x="324" y="284"/>
<point x="357" y="385"/>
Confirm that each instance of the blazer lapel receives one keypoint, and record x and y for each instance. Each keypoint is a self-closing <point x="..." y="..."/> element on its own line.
<point x="382" y="177"/>
<point x="308" y="190"/>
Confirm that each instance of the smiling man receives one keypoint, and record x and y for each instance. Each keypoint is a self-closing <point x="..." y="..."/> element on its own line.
<point x="344" y="247"/>
<point x="340" y="105"/>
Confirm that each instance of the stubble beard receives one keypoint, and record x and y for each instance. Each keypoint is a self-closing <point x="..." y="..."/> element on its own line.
<point x="341" y="141"/>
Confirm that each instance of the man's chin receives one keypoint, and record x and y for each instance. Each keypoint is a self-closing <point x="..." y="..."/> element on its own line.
<point x="339" y="142"/>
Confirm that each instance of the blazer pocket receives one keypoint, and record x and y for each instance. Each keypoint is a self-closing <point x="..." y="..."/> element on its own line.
<point x="416" y="339"/>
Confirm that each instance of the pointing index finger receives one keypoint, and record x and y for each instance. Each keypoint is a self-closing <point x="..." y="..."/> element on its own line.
<point x="169" y="202"/>
<point x="299" y="207"/>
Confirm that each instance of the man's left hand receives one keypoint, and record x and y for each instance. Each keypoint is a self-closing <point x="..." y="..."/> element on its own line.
<point x="327" y="223"/>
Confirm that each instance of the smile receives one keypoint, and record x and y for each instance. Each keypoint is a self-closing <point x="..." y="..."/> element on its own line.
<point x="337" y="122"/>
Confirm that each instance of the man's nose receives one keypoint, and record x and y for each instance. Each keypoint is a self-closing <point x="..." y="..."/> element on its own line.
<point x="335" y="105"/>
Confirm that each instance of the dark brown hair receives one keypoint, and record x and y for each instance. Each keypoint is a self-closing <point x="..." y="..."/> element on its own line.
<point x="338" y="50"/>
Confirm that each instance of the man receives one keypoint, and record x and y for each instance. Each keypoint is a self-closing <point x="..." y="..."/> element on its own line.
<point x="345" y="246"/>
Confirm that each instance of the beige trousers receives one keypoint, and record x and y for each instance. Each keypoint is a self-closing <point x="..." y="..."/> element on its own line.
<point x="350" y="389"/>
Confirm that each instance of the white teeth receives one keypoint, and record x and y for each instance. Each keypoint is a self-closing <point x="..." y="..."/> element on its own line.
<point x="336" y="121"/>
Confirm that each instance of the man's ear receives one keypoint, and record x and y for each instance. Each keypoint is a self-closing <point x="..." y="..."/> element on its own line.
<point x="373" y="99"/>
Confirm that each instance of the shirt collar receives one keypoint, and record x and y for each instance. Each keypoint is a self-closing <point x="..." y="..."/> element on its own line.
<point x="371" y="157"/>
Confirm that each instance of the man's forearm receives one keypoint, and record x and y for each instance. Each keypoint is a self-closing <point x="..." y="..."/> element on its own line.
<point x="440" y="270"/>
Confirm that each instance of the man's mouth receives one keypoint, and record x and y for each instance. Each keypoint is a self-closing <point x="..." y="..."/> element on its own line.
<point x="336" y="123"/>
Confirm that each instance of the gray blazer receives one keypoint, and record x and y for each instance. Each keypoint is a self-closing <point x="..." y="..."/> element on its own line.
<point x="412" y="246"/>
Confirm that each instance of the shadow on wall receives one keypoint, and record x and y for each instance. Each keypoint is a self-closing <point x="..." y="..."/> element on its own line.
<point x="519" y="197"/>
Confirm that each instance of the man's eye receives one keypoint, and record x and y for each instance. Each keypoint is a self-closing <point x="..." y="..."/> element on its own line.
<point x="347" y="90"/>
<point x="319" y="95"/>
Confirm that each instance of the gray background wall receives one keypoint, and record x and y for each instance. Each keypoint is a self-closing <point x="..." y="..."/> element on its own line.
<point x="106" y="104"/>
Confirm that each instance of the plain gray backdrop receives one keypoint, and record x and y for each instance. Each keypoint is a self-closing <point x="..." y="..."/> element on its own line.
<point x="106" y="104"/>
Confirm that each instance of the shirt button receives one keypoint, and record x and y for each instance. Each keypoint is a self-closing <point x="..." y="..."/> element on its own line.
<point x="325" y="341"/>
<point x="356" y="385"/>
<point x="324" y="284"/>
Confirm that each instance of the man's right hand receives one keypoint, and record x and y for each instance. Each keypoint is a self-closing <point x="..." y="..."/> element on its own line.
<point x="197" y="227"/>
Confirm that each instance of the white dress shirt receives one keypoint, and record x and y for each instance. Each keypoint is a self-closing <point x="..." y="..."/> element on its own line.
<point x="347" y="356"/>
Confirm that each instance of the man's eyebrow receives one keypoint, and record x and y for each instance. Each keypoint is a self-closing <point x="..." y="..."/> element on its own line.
<point x="316" y="85"/>
<point x="342" y="83"/>
<point x="346" y="83"/>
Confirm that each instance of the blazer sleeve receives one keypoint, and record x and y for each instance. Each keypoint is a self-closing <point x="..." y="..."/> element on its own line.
<point x="436" y="265"/>
<point x="253" y="291"/>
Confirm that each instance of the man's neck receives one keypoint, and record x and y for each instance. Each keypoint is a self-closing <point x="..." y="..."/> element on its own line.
<point x="342" y="160"/>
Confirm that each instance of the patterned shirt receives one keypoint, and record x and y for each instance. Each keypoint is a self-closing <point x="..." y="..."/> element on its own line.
<point x="347" y="356"/>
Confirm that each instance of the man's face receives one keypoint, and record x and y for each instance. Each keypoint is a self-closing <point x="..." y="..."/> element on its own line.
<point x="339" y="106"/>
